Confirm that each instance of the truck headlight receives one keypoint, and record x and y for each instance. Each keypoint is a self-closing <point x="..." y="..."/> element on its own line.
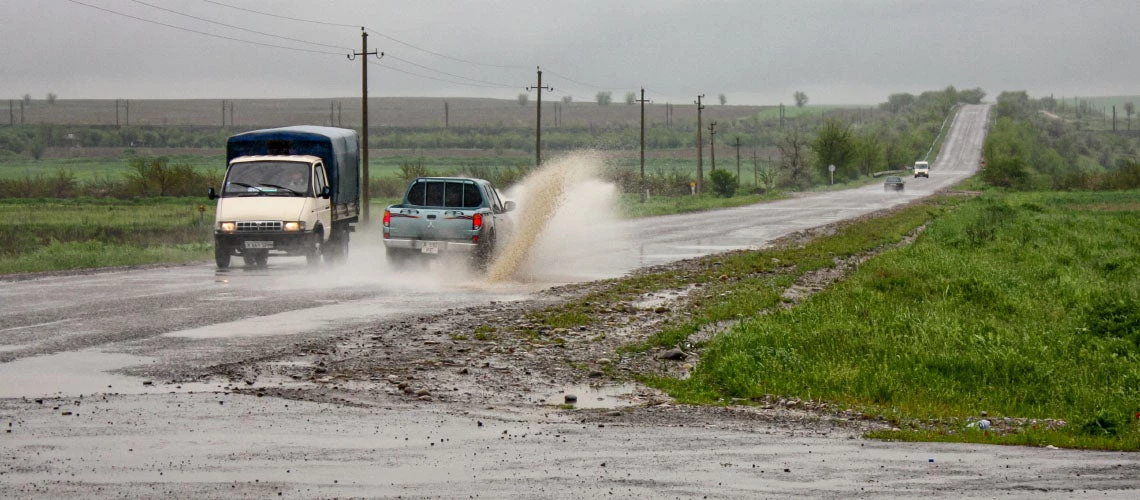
<point x="227" y="227"/>
<point x="294" y="226"/>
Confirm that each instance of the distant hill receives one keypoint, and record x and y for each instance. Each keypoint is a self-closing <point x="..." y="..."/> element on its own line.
<point x="383" y="112"/>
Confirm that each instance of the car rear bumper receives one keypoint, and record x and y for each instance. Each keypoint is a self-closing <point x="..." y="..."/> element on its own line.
<point x="425" y="246"/>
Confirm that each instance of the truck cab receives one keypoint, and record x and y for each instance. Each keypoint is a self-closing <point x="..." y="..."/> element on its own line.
<point x="272" y="204"/>
<point x="287" y="191"/>
<point x="921" y="169"/>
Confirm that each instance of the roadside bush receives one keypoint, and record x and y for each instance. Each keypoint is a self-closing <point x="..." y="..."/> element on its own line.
<point x="723" y="183"/>
<point x="387" y="187"/>
<point x="410" y="169"/>
<point x="156" y="177"/>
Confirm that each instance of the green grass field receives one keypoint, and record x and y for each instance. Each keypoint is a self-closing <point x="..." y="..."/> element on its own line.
<point x="1024" y="306"/>
<point x="55" y="234"/>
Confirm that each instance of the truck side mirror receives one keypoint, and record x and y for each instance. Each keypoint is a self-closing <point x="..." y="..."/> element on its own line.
<point x="211" y="194"/>
<point x="326" y="192"/>
<point x="508" y="206"/>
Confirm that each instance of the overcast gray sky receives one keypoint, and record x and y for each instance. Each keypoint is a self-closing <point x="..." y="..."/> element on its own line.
<point x="754" y="52"/>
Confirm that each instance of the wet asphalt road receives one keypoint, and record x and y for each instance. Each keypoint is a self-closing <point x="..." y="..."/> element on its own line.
<point x="87" y="412"/>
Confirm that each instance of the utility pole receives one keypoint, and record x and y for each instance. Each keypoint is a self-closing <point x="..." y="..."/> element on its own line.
<point x="738" y="158"/>
<point x="700" y="149"/>
<point x="231" y="113"/>
<point x="1114" y="118"/>
<point x="446" y="115"/>
<point x="712" y="143"/>
<point x="11" y="113"/>
<point x="223" y="113"/>
<point x="126" y="105"/>
<point x="364" y="178"/>
<point x="642" y="101"/>
<point x="538" y="119"/>
<point x="755" y="169"/>
<point x="781" y="115"/>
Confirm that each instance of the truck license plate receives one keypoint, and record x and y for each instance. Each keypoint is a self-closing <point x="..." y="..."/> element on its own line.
<point x="259" y="244"/>
<point x="430" y="248"/>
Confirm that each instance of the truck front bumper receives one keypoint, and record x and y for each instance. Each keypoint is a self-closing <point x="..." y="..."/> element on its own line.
<point x="292" y="243"/>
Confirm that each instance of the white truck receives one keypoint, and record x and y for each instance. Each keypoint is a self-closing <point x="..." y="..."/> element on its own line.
<point x="287" y="191"/>
<point x="921" y="169"/>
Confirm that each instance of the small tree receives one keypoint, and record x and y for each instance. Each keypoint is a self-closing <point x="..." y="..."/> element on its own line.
<point x="723" y="183"/>
<point x="723" y="99"/>
<point x="834" y="145"/>
<point x="51" y="98"/>
<point x="801" y="98"/>
<point x="27" y="98"/>
<point x="795" y="155"/>
<point x="604" y="98"/>
<point x="567" y="99"/>
<point x="523" y="98"/>
<point x="1129" y="108"/>
<point x="765" y="174"/>
<point x="630" y="98"/>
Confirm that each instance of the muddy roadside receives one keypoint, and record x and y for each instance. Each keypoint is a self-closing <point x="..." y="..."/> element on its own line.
<point x="501" y="354"/>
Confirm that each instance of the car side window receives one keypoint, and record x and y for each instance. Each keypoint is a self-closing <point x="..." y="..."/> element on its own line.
<point x="496" y="203"/>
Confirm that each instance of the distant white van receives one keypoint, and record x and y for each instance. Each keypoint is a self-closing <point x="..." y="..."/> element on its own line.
<point x="922" y="169"/>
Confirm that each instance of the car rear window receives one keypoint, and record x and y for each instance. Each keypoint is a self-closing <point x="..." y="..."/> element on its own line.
<point x="447" y="194"/>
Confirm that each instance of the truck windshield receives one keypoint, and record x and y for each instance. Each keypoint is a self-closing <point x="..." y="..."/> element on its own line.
<point x="268" y="178"/>
<point x="444" y="193"/>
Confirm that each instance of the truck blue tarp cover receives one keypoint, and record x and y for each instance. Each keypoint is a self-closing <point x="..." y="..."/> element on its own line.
<point x="336" y="147"/>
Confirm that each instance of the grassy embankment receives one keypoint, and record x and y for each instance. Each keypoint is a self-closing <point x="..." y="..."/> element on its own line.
<point x="1025" y="306"/>
<point x="45" y="235"/>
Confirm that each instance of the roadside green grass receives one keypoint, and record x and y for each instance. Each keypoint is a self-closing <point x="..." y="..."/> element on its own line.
<point x="55" y="234"/>
<point x="86" y="169"/>
<point x="1024" y="306"/>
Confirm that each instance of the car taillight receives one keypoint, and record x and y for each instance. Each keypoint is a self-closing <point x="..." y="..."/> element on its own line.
<point x="477" y="221"/>
<point x="387" y="218"/>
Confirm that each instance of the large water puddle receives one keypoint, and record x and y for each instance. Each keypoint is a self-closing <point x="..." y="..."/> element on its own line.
<point x="72" y="374"/>
<point x="596" y="396"/>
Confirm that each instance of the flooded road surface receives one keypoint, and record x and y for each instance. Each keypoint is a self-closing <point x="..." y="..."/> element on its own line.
<point x="89" y="406"/>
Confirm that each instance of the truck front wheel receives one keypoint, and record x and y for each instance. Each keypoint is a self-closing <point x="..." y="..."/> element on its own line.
<point x="313" y="256"/>
<point x="221" y="255"/>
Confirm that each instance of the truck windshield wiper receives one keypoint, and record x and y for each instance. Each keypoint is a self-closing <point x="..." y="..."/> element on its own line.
<point x="295" y="193"/>
<point x="242" y="184"/>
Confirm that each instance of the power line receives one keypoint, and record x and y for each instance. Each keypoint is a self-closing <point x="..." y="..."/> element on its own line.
<point x="571" y="80"/>
<point x="172" y="11"/>
<point x="451" y="74"/>
<point x="412" y="73"/>
<point x="203" y="32"/>
<point x="371" y="31"/>
<point x="280" y="16"/>
<point x="445" y="56"/>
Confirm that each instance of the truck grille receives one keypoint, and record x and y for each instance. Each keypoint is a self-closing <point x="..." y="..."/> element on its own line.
<point x="259" y="225"/>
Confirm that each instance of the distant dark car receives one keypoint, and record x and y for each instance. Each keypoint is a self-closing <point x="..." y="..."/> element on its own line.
<point x="893" y="183"/>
